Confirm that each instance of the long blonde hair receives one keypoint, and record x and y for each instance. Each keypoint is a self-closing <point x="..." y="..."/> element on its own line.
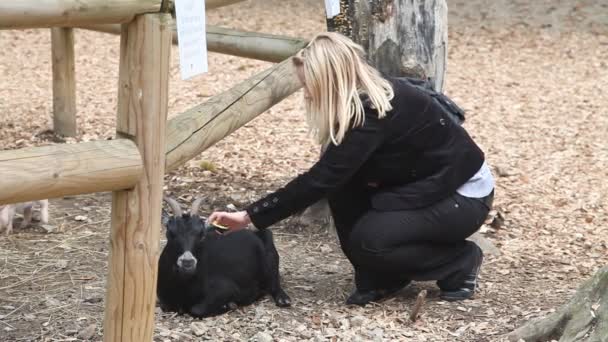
<point x="336" y="74"/>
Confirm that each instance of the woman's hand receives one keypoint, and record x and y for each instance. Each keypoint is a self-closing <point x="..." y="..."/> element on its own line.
<point x="234" y="221"/>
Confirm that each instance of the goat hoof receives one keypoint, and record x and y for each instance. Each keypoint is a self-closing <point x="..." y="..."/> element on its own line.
<point x="283" y="300"/>
<point x="230" y="306"/>
<point x="198" y="311"/>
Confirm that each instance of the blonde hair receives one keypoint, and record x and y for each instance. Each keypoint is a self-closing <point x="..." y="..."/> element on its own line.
<point x="336" y="74"/>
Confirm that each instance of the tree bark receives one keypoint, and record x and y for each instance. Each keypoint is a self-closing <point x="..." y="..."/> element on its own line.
<point x="584" y="318"/>
<point x="401" y="38"/>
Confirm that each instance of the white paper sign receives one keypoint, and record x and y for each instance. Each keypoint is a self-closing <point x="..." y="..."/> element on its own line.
<point x="191" y="37"/>
<point x="332" y="8"/>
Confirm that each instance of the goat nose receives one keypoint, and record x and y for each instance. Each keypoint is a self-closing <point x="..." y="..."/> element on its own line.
<point x="186" y="260"/>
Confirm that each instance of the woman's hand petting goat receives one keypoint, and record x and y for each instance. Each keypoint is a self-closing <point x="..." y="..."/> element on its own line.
<point x="233" y="221"/>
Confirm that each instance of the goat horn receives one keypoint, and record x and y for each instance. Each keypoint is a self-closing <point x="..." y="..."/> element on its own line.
<point x="195" y="206"/>
<point x="177" y="210"/>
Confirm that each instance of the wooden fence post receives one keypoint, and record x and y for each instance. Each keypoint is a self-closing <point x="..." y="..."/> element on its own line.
<point x="136" y="214"/>
<point x="64" y="81"/>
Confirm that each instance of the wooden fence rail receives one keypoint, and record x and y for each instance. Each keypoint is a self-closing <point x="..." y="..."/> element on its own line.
<point x="23" y="14"/>
<point x="52" y="13"/>
<point x="261" y="46"/>
<point x="68" y="169"/>
<point x="195" y="130"/>
<point x="60" y="170"/>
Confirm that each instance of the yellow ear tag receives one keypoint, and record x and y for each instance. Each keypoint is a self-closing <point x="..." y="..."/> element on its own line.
<point x="220" y="226"/>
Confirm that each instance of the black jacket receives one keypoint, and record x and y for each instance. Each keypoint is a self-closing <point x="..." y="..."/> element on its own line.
<point x="416" y="154"/>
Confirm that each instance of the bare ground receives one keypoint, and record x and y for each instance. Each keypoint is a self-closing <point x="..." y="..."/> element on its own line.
<point x="533" y="80"/>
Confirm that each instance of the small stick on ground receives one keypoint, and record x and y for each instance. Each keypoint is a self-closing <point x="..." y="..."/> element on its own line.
<point x="418" y="305"/>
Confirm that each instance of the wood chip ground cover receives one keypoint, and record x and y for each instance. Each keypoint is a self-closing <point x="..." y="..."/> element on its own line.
<point x="532" y="78"/>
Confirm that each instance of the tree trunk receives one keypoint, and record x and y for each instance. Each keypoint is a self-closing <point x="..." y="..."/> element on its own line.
<point x="584" y="318"/>
<point x="401" y="38"/>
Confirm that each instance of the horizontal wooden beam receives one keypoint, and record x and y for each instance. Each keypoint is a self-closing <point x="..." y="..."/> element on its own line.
<point x="23" y="14"/>
<point x="106" y="28"/>
<point x="68" y="169"/>
<point x="195" y="130"/>
<point x="261" y="46"/>
<point x="51" y="13"/>
<point x="72" y="169"/>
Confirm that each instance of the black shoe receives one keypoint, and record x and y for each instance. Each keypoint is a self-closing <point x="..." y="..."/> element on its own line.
<point x="364" y="297"/>
<point x="469" y="285"/>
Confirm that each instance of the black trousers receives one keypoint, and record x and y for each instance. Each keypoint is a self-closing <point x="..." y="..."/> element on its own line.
<point x="389" y="248"/>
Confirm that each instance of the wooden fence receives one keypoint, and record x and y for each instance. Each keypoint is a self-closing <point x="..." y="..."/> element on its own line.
<point x="147" y="145"/>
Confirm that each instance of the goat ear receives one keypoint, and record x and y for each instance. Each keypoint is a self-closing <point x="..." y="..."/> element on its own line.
<point x="164" y="217"/>
<point x="205" y="226"/>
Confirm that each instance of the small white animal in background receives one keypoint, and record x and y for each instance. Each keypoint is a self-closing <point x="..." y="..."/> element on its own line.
<point x="8" y="211"/>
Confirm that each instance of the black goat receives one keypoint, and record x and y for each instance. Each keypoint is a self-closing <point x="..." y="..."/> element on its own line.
<point x="204" y="273"/>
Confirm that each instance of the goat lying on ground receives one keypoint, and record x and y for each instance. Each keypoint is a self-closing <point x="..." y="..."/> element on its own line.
<point x="8" y="211"/>
<point x="204" y="273"/>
